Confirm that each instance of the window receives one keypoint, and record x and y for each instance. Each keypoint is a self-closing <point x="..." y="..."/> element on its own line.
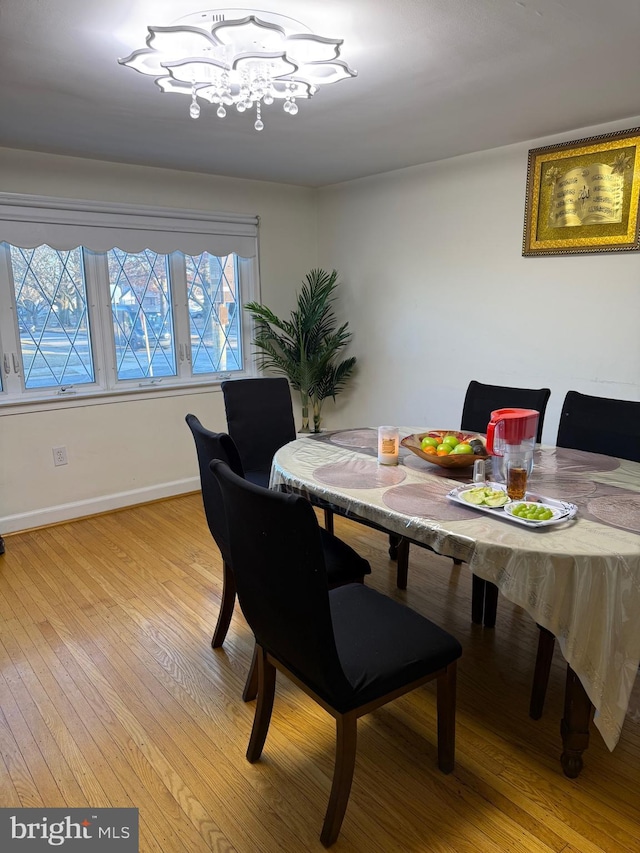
<point x="51" y="307"/>
<point x="89" y="320"/>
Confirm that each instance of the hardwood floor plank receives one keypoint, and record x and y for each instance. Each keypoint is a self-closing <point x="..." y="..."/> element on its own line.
<point x="143" y="785"/>
<point x="69" y="791"/>
<point x="16" y="783"/>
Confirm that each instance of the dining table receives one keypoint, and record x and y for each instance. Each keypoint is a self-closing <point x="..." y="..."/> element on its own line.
<point x="579" y="578"/>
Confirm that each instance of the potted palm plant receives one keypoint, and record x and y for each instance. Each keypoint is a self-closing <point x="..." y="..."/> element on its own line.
<point x="306" y="347"/>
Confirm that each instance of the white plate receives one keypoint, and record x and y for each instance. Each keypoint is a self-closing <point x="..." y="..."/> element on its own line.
<point x="558" y="512"/>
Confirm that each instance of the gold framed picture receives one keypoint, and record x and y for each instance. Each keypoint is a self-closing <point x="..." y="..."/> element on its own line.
<point x="583" y="196"/>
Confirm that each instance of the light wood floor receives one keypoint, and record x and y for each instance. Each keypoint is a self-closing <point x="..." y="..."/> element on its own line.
<point x="110" y="695"/>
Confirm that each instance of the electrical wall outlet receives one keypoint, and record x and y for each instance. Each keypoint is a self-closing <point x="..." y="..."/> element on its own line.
<point x="59" y="455"/>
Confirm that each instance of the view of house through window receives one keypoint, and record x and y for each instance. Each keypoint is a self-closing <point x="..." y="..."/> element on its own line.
<point x="142" y="317"/>
<point x="118" y="318"/>
<point x="51" y="303"/>
<point x="214" y="320"/>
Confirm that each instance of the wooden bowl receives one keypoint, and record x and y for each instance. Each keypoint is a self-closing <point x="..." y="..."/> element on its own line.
<point x="455" y="460"/>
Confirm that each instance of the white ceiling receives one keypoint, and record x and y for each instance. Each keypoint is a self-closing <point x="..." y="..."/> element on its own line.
<point x="436" y="78"/>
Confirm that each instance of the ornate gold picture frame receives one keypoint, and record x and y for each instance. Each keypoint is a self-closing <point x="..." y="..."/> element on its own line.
<point x="583" y="196"/>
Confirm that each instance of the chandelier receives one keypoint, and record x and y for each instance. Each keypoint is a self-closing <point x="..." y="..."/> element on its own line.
<point x="241" y="58"/>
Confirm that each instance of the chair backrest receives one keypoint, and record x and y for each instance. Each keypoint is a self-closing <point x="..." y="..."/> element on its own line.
<point x="600" y="425"/>
<point x="209" y="446"/>
<point x="281" y="579"/>
<point x="480" y="400"/>
<point x="259" y="419"/>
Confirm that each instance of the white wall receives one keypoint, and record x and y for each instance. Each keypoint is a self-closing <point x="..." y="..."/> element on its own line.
<point x="437" y="293"/>
<point x="435" y="289"/>
<point x="127" y="452"/>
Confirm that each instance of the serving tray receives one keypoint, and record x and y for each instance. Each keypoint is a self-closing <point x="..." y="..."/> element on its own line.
<point x="563" y="510"/>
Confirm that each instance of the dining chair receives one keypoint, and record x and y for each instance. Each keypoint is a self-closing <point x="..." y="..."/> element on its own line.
<point x="343" y="564"/>
<point x="260" y="421"/>
<point x="480" y="400"/>
<point x="351" y="649"/>
<point x="598" y="425"/>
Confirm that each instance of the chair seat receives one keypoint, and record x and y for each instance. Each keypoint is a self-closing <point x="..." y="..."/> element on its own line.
<point x="383" y="645"/>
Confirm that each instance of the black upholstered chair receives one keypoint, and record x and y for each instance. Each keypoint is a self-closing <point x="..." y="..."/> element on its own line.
<point x="480" y="400"/>
<point x="600" y="424"/>
<point x="350" y="649"/>
<point x="260" y="421"/>
<point x="342" y="563"/>
<point x="594" y="424"/>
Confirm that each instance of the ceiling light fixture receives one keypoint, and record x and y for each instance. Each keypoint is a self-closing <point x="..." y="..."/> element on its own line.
<point x="239" y="57"/>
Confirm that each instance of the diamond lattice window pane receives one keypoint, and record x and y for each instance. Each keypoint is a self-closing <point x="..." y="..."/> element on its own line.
<point x="142" y="318"/>
<point x="214" y="313"/>
<point x="51" y="303"/>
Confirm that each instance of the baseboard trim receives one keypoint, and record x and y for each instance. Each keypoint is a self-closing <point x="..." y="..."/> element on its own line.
<point x="94" y="506"/>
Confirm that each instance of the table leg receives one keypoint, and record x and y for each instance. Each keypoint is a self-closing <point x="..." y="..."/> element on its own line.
<point x="394" y="542"/>
<point x="490" y="604"/>
<point x="484" y="602"/>
<point x="477" y="599"/>
<point x="574" y="728"/>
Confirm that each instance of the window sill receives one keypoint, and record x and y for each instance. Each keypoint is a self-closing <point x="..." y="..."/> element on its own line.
<point x="51" y="402"/>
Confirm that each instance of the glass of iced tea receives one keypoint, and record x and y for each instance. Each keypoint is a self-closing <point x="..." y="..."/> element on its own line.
<point x="516" y="479"/>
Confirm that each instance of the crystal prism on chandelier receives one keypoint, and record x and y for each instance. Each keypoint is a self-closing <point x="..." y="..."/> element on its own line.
<point x="239" y="57"/>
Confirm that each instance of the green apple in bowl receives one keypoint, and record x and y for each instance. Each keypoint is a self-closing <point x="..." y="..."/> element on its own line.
<point x="462" y="448"/>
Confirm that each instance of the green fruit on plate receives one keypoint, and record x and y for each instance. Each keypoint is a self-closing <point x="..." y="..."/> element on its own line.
<point x="443" y="449"/>
<point x="451" y="440"/>
<point x="485" y="496"/>
<point x="473" y="497"/>
<point x="462" y="448"/>
<point x="497" y="500"/>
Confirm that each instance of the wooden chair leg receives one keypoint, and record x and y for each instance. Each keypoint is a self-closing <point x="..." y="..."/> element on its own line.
<point x="490" y="604"/>
<point x="546" y="643"/>
<point x="226" y="607"/>
<point x="477" y="599"/>
<point x="264" y="706"/>
<point x="251" y="684"/>
<point x="446" y="702"/>
<point x="328" y="520"/>
<point x="402" y="571"/>
<point x="346" y="741"/>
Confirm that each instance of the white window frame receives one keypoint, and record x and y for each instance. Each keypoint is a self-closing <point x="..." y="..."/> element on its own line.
<point x="30" y="221"/>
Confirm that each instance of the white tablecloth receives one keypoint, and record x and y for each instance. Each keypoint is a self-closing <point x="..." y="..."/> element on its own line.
<point x="579" y="579"/>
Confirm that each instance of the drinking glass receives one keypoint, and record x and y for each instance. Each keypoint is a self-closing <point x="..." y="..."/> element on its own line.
<point x="517" y="474"/>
